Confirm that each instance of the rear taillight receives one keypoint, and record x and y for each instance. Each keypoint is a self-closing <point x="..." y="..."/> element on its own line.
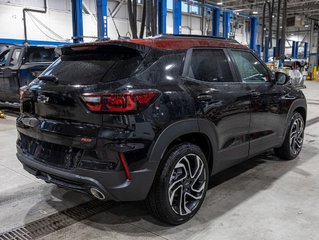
<point x="130" y="101"/>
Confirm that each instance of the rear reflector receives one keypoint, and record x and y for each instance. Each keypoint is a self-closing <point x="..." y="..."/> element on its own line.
<point x="125" y="166"/>
<point x="125" y="102"/>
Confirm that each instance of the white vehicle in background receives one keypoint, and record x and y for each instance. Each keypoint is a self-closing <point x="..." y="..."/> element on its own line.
<point x="301" y="63"/>
<point x="295" y="68"/>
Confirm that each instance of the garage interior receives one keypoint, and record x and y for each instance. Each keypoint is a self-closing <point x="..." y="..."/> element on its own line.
<point x="261" y="198"/>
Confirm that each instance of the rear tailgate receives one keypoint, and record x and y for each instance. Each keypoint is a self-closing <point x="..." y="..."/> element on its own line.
<point x="58" y="102"/>
<point x="79" y="70"/>
<point x="55" y="125"/>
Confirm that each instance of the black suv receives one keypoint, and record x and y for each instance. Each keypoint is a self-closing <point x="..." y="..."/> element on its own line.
<point x="19" y="65"/>
<point x="153" y="119"/>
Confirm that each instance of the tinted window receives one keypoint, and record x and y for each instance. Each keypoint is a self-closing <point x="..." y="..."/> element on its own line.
<point x="15" y="57"/>
<point x="165" y="68"/>
<point x="40" y="54"/>
<point x="4" y="57"/>
<point x="103" y="65"/>
<point x="210" y="65"/>
<point x="250" y="69"/>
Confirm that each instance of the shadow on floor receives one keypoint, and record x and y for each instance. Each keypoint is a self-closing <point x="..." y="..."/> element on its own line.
<point x="227" y="190"/>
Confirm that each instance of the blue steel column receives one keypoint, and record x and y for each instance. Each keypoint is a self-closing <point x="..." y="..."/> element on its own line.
<point x="305" y="51"/>
<point x="281" y="62"/>
<point x="226" y="23"/>
<point x="216" y="22"/>
<point x="293" y="49"/>
<point x="253" y="33"/>
<point x="296" y="49"/>
<point x="101" y="17"/>
<point x="162" y="13"/>
<point x="258" y="47"/>
<point x="177" y="16"/>
<point x="274" y="52"/>
<point x="77" y="21"/>
<point x="266" y="50"/>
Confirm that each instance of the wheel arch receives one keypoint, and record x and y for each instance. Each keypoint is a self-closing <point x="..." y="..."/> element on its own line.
<point x="299" y="105"/>
<point x="196" y="131"/>
<point x="303" y="112"/>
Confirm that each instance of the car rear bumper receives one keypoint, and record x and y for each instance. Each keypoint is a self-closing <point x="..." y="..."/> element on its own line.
<point x="113" y="184"/>
<point x="80" y="156"/>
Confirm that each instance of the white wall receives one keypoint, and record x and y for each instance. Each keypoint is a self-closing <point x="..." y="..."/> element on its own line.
<point x="59" y="20"/>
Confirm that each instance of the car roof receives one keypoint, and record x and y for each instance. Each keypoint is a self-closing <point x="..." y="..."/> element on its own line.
<point x="170" y="42"/>
<point x="33" y="46"/>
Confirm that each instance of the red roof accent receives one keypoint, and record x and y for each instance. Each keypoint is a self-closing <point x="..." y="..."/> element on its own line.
<point x="171" y="44"/>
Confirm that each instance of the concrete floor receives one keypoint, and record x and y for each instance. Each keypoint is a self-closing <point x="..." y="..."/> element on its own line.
<point x="263" y="198"/>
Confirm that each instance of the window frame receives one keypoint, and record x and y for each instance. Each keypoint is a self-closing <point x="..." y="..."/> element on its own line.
<point x="19" y="58"/>
<point x="188" y="60"/>
<point x="270" y="76"/>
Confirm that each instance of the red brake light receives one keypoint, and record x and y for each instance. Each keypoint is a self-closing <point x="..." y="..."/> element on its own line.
<point x="93" y="102"/>
<point x="131" y="101"/>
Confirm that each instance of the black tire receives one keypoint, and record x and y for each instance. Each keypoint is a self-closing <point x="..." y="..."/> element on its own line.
<point x="287" y="150"/>
<point x="170" y="174"/>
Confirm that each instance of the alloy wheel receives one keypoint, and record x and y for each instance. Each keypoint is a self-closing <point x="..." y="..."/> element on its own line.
<point x="296" y="135"/>
<point x="187" y="184"/>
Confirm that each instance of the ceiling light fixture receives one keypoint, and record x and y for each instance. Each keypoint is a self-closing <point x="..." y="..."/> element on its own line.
<point x="255" y="12"/>
<point x="220" y="3"/>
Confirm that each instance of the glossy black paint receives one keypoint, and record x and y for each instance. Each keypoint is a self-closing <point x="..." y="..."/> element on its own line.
<point x="21" y="73"/>
<point x="230" y="121"/>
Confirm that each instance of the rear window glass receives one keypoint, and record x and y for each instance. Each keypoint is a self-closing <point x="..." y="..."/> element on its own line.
<point x="90" y="67"/>
<point x="40" y="54"/>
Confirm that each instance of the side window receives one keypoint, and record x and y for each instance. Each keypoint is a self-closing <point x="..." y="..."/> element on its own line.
<point x="40" y="54"/>
<point x="250" y="69"/>
<point x="165" y="68"/>
<point x="4" y="57"/>
<point x="210" y="65"/>
<point x="15" y="57"/>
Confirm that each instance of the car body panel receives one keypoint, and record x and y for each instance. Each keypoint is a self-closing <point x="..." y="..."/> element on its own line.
<point x="62" y="142"/>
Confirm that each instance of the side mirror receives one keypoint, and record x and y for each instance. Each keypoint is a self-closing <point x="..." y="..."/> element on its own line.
<point x="281" y="78"/>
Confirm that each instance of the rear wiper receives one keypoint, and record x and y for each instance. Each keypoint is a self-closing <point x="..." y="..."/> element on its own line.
<point x="50" y="78"/>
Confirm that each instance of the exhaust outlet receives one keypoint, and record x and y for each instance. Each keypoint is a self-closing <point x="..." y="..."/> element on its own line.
<point x="97" y="193"/>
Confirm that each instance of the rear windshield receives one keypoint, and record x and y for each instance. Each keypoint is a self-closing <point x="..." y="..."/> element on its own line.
<point x="40" y="54"/>
<point x="90" y="67"/>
